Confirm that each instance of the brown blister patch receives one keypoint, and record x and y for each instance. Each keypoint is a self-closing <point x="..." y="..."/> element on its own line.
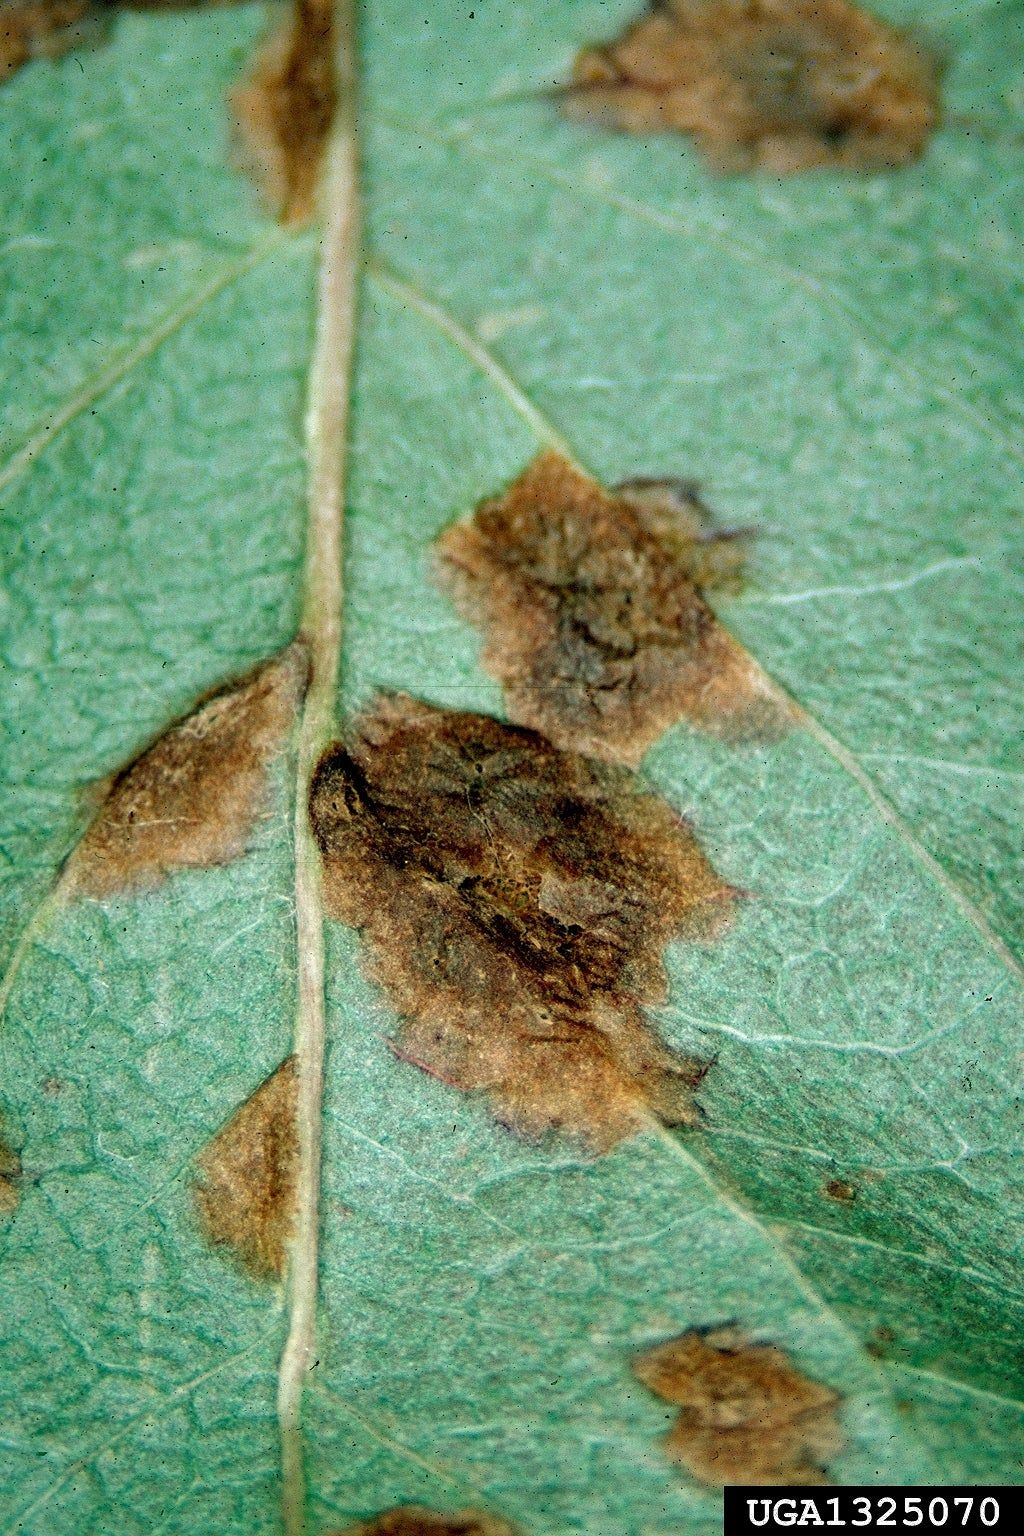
<point x="747" y="1415"/>
<point x="839" y="1189"/>
<point x="10" y="1173"/>
<point x="285" y="106"/>
<point x="515" y="901"/>
<point x="191" y="799"/>
<point x="246" y="1195"/>
<point x="414" y="1520"/>
<point x="783" y="85"/>
<point x="592" y="611"/>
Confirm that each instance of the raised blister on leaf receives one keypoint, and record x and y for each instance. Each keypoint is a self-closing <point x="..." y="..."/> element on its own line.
<point x="245" y="1197"/>
<point x="285" y="106"/>
<point x="591" y="607"/>
<point x="414" y="1520"/>
<point x="780" y="84"/>
<point x="516" y="901"/>
<point x="191" y="799"/>
<point x="747" y="1415"/>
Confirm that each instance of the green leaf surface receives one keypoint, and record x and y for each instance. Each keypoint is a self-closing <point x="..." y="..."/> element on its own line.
<point x="836" y="360"/>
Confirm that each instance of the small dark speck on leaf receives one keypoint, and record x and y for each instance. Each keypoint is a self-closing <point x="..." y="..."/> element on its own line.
<point x="839" y="1189"/>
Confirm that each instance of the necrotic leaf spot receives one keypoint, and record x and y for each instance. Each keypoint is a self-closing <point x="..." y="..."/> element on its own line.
<point x="747" y="1415"/>
<point x="414" y="1520"/>
<point x="592" y="611"/>
<point x="31" y="29"/>
<point x="10" y="1173"/>
<point x="191" y="799"/>
<point x="515" y="901"/>
<point x="245" y="1197"/>
<point x="778" y="84"/>
<point x="285" y="107"/>
<point x="839" y="1189"/>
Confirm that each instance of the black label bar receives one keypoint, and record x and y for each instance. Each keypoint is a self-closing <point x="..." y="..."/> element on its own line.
<point x="785" y="1511"/>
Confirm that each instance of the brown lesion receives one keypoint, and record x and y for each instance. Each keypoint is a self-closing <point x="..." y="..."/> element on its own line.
<point x="285" y="106"/>
<point x="515" y="901"/>
<point x="840" y="1190"/>
<point x="245" y="1197"/>
<point x="783" y="85"/>
<point x="746" y="1413"/>
<point x="415" y="1520"/>
<point x="191" y="799"/>
<point x="36" y="29"/>
<point x="10" y="1177"/>
<point x="593" y="612"/>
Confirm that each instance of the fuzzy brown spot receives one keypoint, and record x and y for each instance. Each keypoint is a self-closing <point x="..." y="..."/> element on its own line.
<point x="414" y="1520"/>
<point x="285" y="106"/>
<point x="191" y="799"/>
<point x="838" y="1189"/>
<point x="879" y="1343"/>
<point x="591" y="608"/>
<point x="747" y="1415"/>
<point x="246" y="1199"/>
<point x="515" y="900"/>
<point x="10" y="1173"/>
<point x="778" y="84"/>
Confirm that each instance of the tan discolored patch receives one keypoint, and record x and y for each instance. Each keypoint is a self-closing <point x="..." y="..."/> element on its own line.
<point x="34" y="29"/>
<point x="285" y="106"/>
<point x="10" y="1173"/>
<point x="190" y="800"/>
<point x="839" y="1189"/>
<point x="783" y="85"/>
<point x="747" y="1415"/>
<point x="246" y="1197"/>
<point x="515" y="901"/>
<point x="414" y="1520"/>
<point x="593" y="617"/>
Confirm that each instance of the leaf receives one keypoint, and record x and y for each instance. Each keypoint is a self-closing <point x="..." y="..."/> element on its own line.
<point x="831" y="358"/>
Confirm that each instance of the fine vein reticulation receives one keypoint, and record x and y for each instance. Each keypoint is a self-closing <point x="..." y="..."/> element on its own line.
<point x="321" y="622"/>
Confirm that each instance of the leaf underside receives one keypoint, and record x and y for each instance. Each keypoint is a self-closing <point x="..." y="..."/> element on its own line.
<point x="834" y="360"/>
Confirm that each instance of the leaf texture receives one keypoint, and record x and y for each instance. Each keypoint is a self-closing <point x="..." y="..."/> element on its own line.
<point x="834" y="359"/>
